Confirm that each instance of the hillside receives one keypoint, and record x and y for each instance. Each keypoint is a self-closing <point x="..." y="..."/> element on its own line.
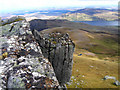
<point x="104" y="46"/>
<point x="99" y="58"/>
<point x="95" y="56"/>
<point x="89" y="14"/>
<point x="102" y="41"/>
<point x="98" y="47"/>
<point x="40" y="24"/>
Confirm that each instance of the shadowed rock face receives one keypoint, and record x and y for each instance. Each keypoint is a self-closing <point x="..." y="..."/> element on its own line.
<point x="58" y="48"/>
<point x="39" y="24"/>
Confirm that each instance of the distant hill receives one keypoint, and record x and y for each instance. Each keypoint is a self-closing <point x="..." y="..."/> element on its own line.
<point x="90" y="14"/>
<point x="40" y="24"/>
<point x="92" y="11"/>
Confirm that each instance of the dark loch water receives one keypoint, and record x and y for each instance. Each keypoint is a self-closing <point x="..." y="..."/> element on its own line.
<point x="101" y="23"/>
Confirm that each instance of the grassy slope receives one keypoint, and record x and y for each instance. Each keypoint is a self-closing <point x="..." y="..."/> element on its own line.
<point x="93" y="75"/>
<point x="102" y="45"/>
<point x="109" y="16"/>
<point x="104" y="63"/>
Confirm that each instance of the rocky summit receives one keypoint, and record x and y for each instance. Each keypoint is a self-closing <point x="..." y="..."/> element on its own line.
<point x="33" y="60"/>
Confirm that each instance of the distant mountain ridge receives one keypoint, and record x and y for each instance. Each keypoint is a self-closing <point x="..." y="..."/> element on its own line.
<point x="91" y="11"/>
<point x="86" y="14"/>
<point x="91" y="14"/>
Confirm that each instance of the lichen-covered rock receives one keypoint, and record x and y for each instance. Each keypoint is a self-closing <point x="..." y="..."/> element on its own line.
<point x="23" y="62"/>
<point x="15" y="82"/>
<point x="13" y="19"/>
<point x="58" y="48"/>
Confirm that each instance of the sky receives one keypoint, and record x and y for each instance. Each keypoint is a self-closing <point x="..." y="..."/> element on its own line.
<point x="16" y="5"/>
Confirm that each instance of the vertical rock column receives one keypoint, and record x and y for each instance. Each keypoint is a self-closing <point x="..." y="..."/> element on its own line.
<point x="58" y="48"/>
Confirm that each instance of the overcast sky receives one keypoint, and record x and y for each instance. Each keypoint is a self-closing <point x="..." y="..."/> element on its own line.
<point x="15" y="5"/>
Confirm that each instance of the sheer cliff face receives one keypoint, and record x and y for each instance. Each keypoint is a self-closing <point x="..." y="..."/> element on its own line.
<point x="58" y="48"/>
<point x="32" y="60"/>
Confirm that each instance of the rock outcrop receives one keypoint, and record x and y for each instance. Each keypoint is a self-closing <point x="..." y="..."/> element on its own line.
<point x="23" y="62"/>
<point x="31" y="60"/>
<point x="58" y="48"/>
<point x="11" y="20"/>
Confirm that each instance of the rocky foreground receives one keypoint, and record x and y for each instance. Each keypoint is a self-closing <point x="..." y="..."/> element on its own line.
<point x="31" y="60"/>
